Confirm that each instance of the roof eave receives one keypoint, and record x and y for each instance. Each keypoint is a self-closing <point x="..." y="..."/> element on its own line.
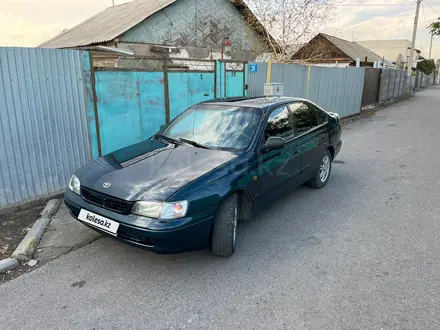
<point x="244" y="9"/>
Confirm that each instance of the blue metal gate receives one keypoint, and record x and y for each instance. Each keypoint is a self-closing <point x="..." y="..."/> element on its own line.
<point x="131" y="107"/>
<point x="189" y="88"/>
<point x="132" y="104"/>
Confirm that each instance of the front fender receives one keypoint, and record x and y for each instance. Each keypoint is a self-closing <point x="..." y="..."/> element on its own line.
<point x="208" y="192"/>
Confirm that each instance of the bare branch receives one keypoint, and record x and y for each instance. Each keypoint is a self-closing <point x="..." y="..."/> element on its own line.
<point x="289" y="22"/>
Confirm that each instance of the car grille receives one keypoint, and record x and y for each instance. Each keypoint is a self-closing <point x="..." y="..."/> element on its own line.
<point x="105" y="201"/>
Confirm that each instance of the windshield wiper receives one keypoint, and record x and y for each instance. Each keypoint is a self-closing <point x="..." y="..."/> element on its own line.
<point x="194" y="143"/>
<point x="167" y="138"/>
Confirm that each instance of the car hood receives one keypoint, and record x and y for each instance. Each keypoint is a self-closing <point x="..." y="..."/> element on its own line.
<point x="150" y="170"/>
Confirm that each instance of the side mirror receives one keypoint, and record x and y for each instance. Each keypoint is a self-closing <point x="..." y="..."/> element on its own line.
<point x="162" y="127"/>
<point x="274" y="142"/>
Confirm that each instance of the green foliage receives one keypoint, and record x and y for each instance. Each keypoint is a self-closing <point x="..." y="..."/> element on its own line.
<point x="434" y="28"/>
<point x="426" y="66"/>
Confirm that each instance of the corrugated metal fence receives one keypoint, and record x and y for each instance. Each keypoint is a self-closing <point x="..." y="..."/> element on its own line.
<point x="43" y="121"/>
<point x="370" y="94"/>
<point x="392" y="84"/>
<point x="422" y="80"/>
<point x="256" y="79"/>
<point x="335" y="89"/>
<point x="294" y="77"/>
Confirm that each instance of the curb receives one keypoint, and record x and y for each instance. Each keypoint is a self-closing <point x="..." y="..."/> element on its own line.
<point x="8" y="264"/>
<point x="51" y="208"/>
<point x="30" y="242"/>
<point x="27" y="246"/>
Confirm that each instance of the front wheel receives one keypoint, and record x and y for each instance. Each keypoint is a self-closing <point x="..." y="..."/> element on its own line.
<point x="323" y="173"/>
<point x="224" y="231"/>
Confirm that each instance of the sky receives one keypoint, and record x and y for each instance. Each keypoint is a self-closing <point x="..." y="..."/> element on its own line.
<point x="28" y="23"/>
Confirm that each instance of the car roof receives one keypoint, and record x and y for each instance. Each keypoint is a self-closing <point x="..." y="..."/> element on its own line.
<point x="263" y="102"/>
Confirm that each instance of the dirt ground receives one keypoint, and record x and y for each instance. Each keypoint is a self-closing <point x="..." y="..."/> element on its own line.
<point x="13" y="227"/>
<point x="363" y="115"/>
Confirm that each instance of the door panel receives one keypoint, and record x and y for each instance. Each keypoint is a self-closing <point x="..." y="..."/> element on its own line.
<point x="234" y="83"/>
<point x="279" y="169"/>
<point x="313" y="146"/>
<point x="313" y="137"/>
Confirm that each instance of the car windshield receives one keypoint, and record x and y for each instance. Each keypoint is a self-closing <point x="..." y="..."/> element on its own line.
<point x="216" y="126"/>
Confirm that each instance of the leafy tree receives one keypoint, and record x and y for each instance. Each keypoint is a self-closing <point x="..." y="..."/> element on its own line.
<point x="426" y="66"/>
<point x="434" y="28"/>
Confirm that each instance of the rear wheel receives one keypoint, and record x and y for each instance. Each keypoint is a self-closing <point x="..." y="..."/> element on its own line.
<point x="224" y="231"/>
<point x="323" y="173"/>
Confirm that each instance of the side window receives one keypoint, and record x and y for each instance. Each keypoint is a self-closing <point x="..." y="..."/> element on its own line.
<point x="304" y="117"/>
<point x="322" y="117"/>
<point x="279" y="124"/>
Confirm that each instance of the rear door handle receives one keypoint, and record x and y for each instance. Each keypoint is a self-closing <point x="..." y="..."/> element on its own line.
<point x="323" y="138"/>
<point x="296" y="152"/>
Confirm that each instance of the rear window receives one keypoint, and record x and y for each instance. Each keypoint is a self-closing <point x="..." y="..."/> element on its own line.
<point x="321" y="115"/>
<point x="304" y="117"/>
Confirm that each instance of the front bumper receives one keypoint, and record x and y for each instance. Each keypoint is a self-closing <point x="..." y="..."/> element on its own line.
<point x="187" y="234"/>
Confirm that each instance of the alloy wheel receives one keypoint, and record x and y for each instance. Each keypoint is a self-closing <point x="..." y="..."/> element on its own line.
<point x="324" y="169"/>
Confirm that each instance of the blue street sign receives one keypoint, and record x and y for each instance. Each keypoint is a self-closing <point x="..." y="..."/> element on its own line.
<point x="253" y="67"/>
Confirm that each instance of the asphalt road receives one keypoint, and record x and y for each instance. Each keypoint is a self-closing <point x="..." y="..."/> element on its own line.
<point x="362" y="253"/>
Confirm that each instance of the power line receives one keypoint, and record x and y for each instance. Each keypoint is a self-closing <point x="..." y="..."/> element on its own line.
<point x="424" y="17"/>
<point x="429" y="3"/>
<point x="160" y="6"/>
<point x="404" y="19"/>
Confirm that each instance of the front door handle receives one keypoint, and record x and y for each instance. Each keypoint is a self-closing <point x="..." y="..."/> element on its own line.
<point x="296" y="152"/>
<point x="322" y="138"/>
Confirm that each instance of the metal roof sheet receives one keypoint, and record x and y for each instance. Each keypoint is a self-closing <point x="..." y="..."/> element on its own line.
<point x="355" y="50"/>
<point x="108" y="24"/>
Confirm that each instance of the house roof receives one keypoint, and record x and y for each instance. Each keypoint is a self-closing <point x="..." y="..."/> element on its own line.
<point x="293" y="49"/>
<point x="354" y="50"/>
<point x="108" y="24"/>
<point x="114" y="21"/>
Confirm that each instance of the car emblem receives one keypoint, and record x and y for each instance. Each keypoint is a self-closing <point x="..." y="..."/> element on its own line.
<point x="106" y="185"/>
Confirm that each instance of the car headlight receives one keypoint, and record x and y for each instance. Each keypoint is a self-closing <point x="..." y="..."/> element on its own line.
<point x="75" y="185"/>
<point x="162" y="210"/>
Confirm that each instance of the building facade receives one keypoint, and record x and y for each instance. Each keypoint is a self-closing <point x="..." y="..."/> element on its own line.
<point x="199" y="28"/>
<point x="394" y="51"/>
<point x="327" y="50"/>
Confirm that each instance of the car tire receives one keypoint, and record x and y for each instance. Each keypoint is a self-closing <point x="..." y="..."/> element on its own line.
<point x="323" y="172"/>
<point x="224" y="229"/>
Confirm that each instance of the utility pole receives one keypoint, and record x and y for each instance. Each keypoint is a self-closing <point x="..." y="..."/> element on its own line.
<point x="430" y="46"/>
<point x="113" y="2"/>
<point x="413" y="44"/>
